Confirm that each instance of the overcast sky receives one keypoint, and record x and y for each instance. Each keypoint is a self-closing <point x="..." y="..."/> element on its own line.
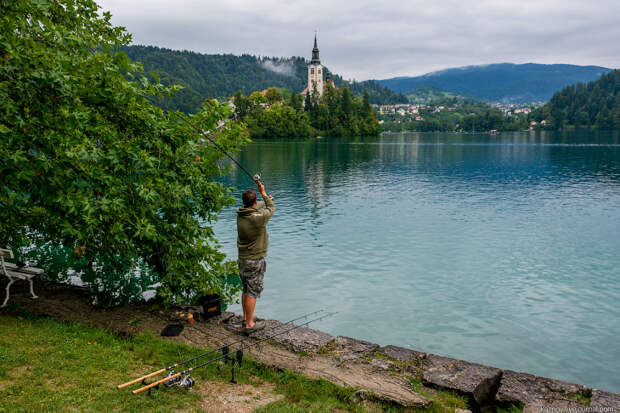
<point x="383" y="38"/>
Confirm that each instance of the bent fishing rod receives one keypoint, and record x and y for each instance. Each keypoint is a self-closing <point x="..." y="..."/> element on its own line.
<point x="217" y="350"/>
<point x="255" y="177"/>
<point x="188" y="382"/>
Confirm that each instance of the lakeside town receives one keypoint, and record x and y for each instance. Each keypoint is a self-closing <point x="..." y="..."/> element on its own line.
<point x="409" y="111"/>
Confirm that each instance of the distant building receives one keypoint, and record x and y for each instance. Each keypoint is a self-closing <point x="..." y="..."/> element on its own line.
<point x="386" y="109"/>
<point x="523" y="110"/>
<point x="316" y="72"/>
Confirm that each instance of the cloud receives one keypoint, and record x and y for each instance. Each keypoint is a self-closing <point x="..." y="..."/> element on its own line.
<point x="282" y="68"/>
<point x="364" y="39"/>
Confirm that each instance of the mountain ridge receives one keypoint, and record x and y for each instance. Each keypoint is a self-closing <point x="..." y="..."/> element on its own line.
<point x="501" y="82"/>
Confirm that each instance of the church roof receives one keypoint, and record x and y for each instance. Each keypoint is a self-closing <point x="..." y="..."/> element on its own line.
<point x="315" y="54"/>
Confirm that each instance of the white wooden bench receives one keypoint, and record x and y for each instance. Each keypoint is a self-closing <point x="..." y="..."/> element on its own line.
<point x="14" y="273"/>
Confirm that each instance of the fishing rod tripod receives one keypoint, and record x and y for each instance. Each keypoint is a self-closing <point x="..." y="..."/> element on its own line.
<point x="234" y="361"/>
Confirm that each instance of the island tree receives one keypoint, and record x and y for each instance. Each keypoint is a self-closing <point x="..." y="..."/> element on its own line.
<point x="336" y="113"/>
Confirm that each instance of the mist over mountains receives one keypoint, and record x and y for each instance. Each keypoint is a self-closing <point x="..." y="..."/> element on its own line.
<point x="501" y="82"/>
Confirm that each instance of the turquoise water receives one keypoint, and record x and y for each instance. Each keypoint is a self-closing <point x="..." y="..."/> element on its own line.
<point x="502" y="250"/>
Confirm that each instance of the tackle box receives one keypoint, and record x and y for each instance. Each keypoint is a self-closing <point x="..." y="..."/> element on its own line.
<point x="211" y="305"/>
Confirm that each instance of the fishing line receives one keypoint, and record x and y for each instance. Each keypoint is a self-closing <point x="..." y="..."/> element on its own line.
<point x="255" y="178"/>
<point x="181" y="116"/>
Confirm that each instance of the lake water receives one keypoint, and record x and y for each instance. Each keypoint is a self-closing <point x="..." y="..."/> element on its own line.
<point x="502" y="250"/>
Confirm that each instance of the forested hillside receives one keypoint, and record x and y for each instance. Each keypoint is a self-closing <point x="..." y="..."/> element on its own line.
<point x="428" y="94"/>
<point x="595" y="104"/>
<point x="503" y="82"/>
<point x="220" y="76"/>
<point x="378" y="94"/>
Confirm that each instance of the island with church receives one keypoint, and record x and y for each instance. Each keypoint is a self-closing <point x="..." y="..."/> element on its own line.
<point x="321" y="109"/>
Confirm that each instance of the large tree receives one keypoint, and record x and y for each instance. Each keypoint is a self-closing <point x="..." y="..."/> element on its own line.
<point x="90" y="165"/>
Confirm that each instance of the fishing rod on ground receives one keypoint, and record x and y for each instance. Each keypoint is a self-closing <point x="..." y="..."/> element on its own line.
<point x="225" y="349"/>
<point x="221" y="337"/>
<point x="186" y="381"/>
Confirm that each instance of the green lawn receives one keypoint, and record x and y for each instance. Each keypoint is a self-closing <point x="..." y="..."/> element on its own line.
<point x="53" y="366"/>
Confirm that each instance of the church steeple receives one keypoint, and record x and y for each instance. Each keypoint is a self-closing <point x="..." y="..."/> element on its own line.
<point x="315" y="53"/>
<point x="315" y="71"/>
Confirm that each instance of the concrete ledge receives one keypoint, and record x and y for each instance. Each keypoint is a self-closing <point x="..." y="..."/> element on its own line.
<point x="476" y="380"/>
<point x="352" y="349"/>
<point x="302" y="339"/>
<point x="603" y="399"/>
<point x="531" y="390"/>
<point x="404" y="355"/>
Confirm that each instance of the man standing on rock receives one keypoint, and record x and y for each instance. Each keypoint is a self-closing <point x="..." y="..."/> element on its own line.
<point x="252" y="242"/>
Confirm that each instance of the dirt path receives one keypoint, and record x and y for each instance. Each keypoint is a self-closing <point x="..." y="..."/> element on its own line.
<point x="236" y="398"/>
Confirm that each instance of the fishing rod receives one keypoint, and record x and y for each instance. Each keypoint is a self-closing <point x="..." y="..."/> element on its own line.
<point x="188" y="382"/>
<point x="255" y="177"/>
<point x="217" y="350"/>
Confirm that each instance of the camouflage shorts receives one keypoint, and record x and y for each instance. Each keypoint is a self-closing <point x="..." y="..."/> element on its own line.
<point x="252" y="273"/>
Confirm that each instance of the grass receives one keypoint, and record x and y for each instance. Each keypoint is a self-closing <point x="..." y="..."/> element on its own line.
<point x="579" y="397"/>
<point x="49" y="366"/>
<point x="511" y="409"/>
<point x="443" y="400"/>
<point x="52" y="366"/>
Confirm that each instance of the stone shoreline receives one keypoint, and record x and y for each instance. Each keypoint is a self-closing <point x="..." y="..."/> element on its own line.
<point x="390" y="373"/>
<point x="485" y="385"/>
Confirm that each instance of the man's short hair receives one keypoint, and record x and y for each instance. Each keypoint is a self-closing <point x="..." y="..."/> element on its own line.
<point x="249" y="197"/>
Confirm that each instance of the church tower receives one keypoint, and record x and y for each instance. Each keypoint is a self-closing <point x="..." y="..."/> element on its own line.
<point x="315" y="71"/>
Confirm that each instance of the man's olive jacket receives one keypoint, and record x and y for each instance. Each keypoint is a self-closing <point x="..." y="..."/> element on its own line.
<point x="252" y="238"/>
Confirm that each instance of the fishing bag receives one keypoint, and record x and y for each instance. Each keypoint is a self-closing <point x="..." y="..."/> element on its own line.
<point x="211" y="305"/>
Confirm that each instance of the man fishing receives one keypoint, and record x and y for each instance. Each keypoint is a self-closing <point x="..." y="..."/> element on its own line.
<point x="252" y="242"/>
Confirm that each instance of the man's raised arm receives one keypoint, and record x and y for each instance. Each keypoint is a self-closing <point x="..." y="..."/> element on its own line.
<point x="270" y="208"/>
